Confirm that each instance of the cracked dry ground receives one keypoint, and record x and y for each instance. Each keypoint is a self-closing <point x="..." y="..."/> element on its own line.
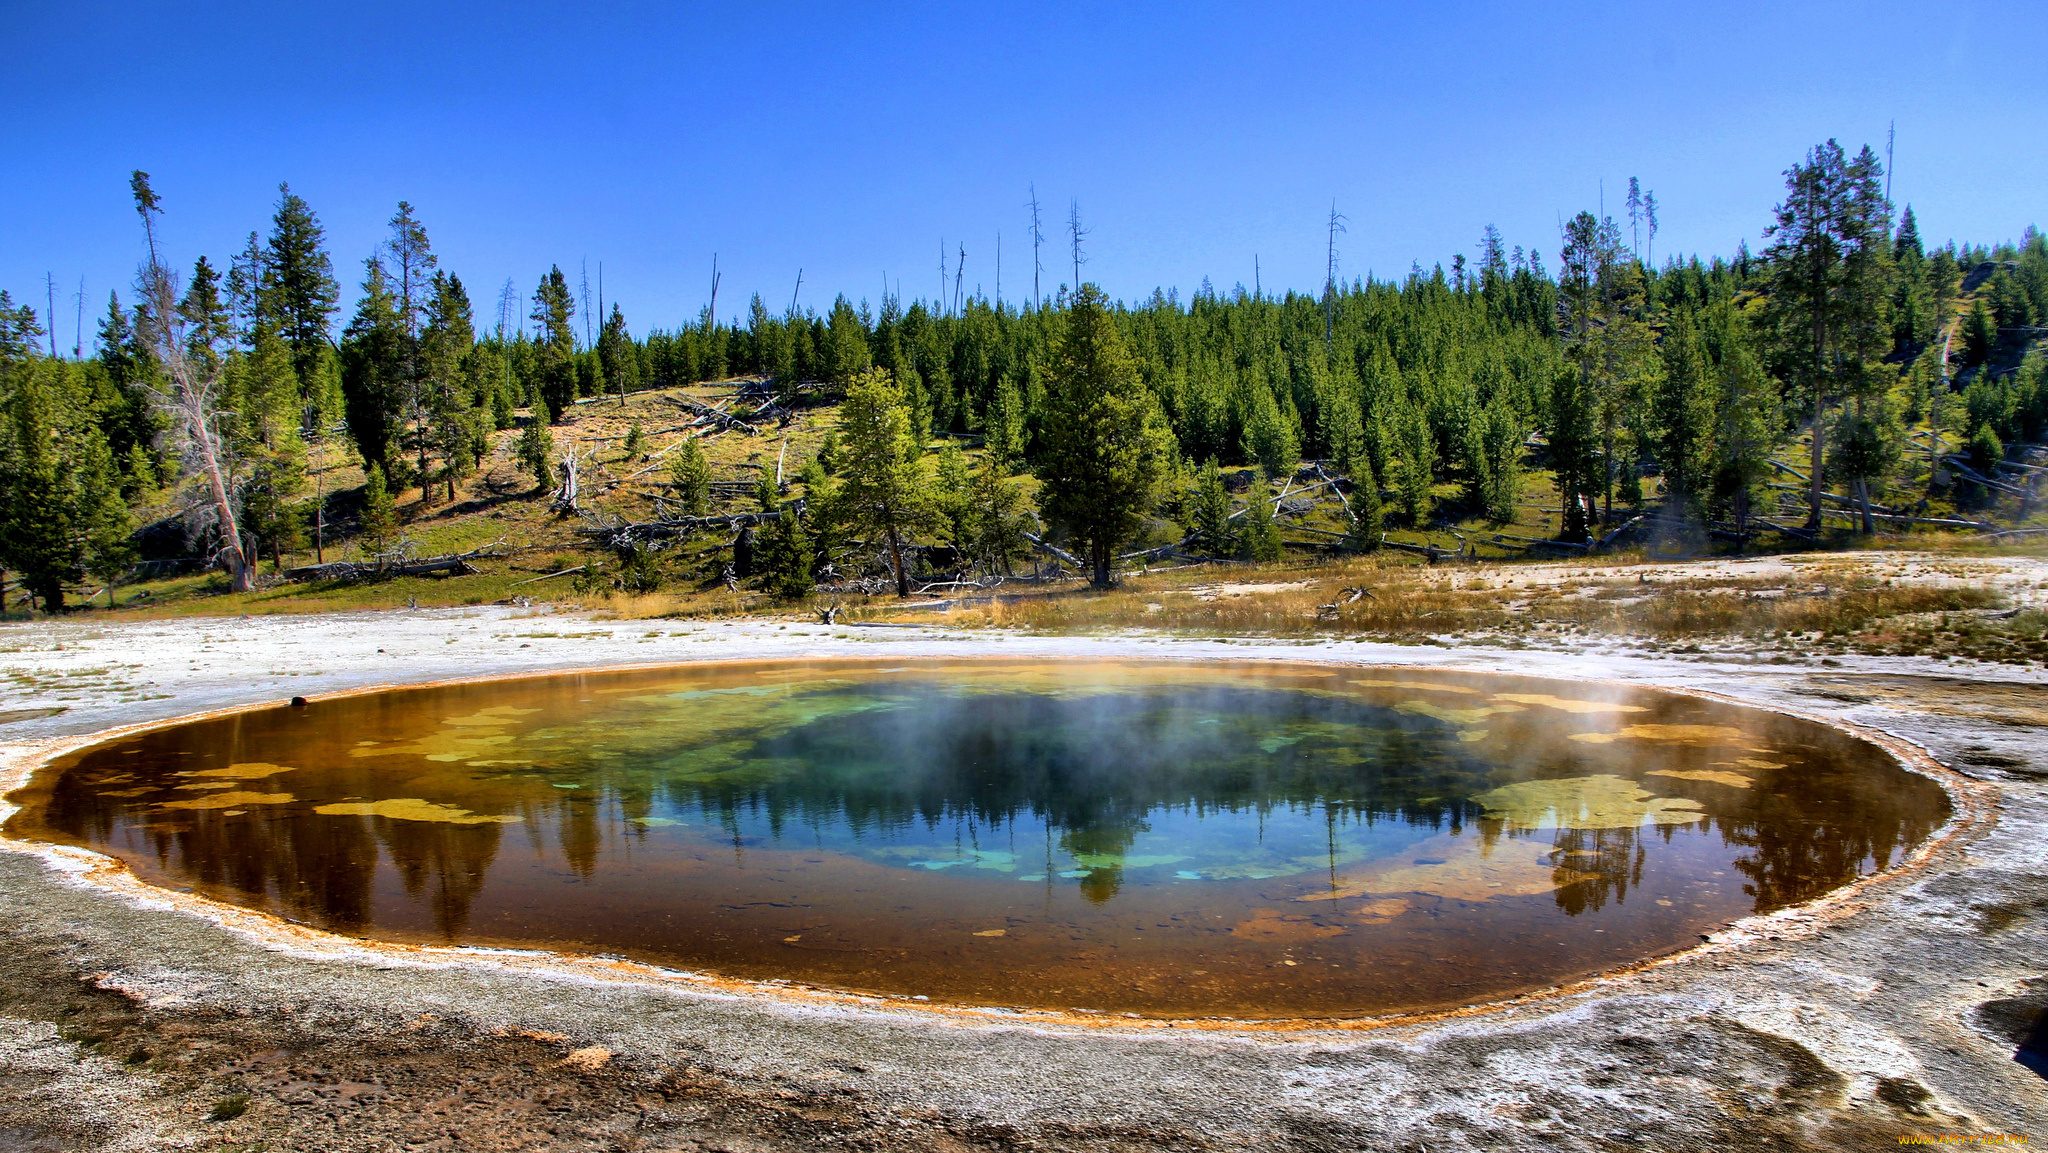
<point x="148" y="1079"/>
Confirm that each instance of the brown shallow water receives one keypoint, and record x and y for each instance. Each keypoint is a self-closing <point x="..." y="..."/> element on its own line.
<point x="1162" y="839"/>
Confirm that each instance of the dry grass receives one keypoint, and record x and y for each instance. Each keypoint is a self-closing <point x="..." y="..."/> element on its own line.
<point x="1838" y="606"/>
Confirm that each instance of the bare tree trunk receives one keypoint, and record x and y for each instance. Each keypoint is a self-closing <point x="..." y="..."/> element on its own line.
<point x="1607" y="490"/>
<point x="192" y="398"/>
<point x="198" y="421"/>
<point x="896" y="555"/>
<point x="1814" y="481"/>
<point x="566" y="496"/>
<point x="1863" y="502"/>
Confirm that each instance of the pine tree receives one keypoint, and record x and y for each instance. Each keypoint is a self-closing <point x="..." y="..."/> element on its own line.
<point x="298" y="293"/>
<point x="1745" y="422"/>
<point x="1683" y="414"/>
<point x="1211" y="508"/>
<point x="995" y="521"/>
<point x="450" y="376"/>
<point x="1415" y="466"/>
<point x="104" y="522"/>
<point x="1866" y="442"/>
<point x="690" y="474"/>
<point x="1830" y="286"/>
<point x="537" y="448"/>
<point x="886" y="491"/>
<point x="555" y="344"/>
<point x="952" y="494"/>
<point x="1269" y="437"/>
<point x="1258" y="538"/>
<point x="380" y="515"/>
<point x="270" y="510"/>
<point x="1344" y="430"/>
<point x="846" y="347"/>
<point x="1912" y="310"/>
<point x="1980" y="335"/>
<point x="1104" y="446"/>
<point x="1606" y="334"/>
<point x="373" y="369"/>
<point x="409" y="259"/>
<point x="1501" y="446"/>
<point x="786" y="556"/>
<point x="209" y="328"/>
<point x="1477" y="465"/>
<point x="1003" y="433"/>
<point x="1366" y="517"/>
<point x="614" y="354"/>
<point x="41" y="540"/>
<point x="1574" y="451"/>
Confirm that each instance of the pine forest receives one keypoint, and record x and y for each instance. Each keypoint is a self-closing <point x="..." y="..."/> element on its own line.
<point x="231" y="428"/>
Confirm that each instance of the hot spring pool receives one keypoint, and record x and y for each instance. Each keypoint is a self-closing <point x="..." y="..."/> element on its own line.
<point x="1167" y="839"/>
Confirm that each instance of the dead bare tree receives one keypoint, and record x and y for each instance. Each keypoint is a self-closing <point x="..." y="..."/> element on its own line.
<point x="1037" y="242"/>
<point x="711" y="309"/>
<point x="1075" y="233"/>
<point x="191" y="394"/>
<point x="1330" y="277"/>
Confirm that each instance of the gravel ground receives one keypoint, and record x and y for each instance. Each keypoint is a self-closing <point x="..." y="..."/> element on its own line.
<point x="129" y="1017"/>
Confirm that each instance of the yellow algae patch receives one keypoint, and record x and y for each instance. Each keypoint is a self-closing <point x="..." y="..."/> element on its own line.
<point x="1702" y="734"/>
<point x="499" y="715"/>
<point x="1426" y="686"/>
<point x="208" y="785"/>
<point x="454" y="745"/>
<point x="1454" y="716"/>
<point x="1382" y="911"/>
<point x="1460" y="867"/>
<point x="1550" y="702"/>
<point x="1471" y="735"/>
<point x="246" y="771"/>
<point x="1272" y="925"/>
<point x="230" y="800"/>
<point x="1732" y="780"/>
<point x="411" y="809"/>
<point x="1603" y="801"/>
<point x="993" y="933"/>
<point x="1753" y="763"/>
<point x="129" y="792"/>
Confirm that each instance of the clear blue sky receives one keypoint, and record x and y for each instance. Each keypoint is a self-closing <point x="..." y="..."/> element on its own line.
<point x="847" y="140"/>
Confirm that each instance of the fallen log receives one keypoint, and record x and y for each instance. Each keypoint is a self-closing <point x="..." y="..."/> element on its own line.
<point x="1973" y="475"/>
<point x="1054" y="551"/>
<point x="629" y="533"/>
<point x="715" y="414"/>
<point x="549" y="576"/>
<point x="1433" y="552"/>
<point x="378" y="568"/>
<point x="1538" y="542"/>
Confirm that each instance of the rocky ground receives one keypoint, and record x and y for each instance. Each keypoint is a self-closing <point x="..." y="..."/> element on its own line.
<point x="134" y="1019"/>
